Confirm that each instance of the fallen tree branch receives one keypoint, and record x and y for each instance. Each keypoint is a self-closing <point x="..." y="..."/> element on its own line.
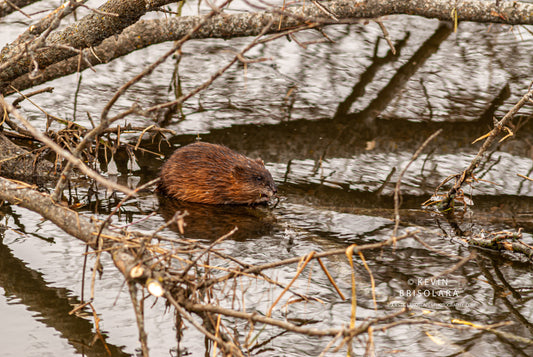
<point x="502" y="241"/>
<point x="148" y="32"/>
<point x="399" y="181"/>
<point x="137" y="261"/>
<point x="9" y="6"/>
<point x="446" y="202"/>
<point x="90" y="31"/>
<point x="77" y="162"/>
<point x="18" y="163"/>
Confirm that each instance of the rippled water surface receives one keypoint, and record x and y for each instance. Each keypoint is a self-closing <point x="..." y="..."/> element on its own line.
<point x="335" y="124"/>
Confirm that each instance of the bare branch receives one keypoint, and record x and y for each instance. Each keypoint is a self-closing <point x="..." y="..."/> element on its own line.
<point x="146" y="33"/>
<point x="491" y="137"/>
<point x="64" y="153"/>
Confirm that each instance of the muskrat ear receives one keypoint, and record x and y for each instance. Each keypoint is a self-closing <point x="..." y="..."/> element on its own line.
<point x="238" y="171"/>
<point x="259" y="161"/>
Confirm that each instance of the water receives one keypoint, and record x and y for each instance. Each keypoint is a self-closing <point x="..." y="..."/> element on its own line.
<point x="335" y="125"/>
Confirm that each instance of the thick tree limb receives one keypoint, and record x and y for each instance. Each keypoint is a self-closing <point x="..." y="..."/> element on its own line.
<point x="23" y="195"/>
<point x="9" y="6"/>
<point x="506" y="12"/>
<point x="126" y="260"/>
<point x="18" y="163"/>
<point x="87" y="32"/>
<point x="49" y="22"/>
<point x="145" y="33"/>
<point x="75" y="161"/>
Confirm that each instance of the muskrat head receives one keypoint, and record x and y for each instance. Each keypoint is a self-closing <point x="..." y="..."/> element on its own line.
<point x="254" y="182"/>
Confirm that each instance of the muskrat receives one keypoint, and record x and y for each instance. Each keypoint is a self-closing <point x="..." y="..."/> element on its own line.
<point x="215" y="174"/>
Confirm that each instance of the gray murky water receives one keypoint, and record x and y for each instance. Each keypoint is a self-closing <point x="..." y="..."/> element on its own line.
<point x="315" y="142"/>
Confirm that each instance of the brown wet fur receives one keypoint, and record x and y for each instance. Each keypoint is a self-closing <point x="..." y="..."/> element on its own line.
<point x="215" y="174"/>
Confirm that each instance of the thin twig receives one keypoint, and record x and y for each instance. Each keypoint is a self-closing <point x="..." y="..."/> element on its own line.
<point x="491" y="138"/>
<point x="139" y="316"/>
<point x="193" y="263"/>
<point x="386" y="35"/>
<point x="63" y="153"/>
<point x="399" y="181"/>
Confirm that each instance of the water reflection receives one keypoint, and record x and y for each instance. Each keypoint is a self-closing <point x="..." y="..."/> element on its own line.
<point x="331" y="135"/>
<point x="51" y="306"/>
<point x="209" y="222"/>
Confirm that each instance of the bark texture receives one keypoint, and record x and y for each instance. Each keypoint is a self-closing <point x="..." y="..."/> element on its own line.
<point x="20" y="164"/>
<point x="94" y="29"/>
<point x="7" y="7"/>
<point x="87" y="32"/>
<point x="24" y="195"/>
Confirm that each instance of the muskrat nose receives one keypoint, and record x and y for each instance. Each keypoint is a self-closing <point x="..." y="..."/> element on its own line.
<point x="274" y="188"/>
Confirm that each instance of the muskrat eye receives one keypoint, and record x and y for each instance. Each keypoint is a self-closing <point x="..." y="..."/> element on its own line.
<point x="259" y="178"/>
